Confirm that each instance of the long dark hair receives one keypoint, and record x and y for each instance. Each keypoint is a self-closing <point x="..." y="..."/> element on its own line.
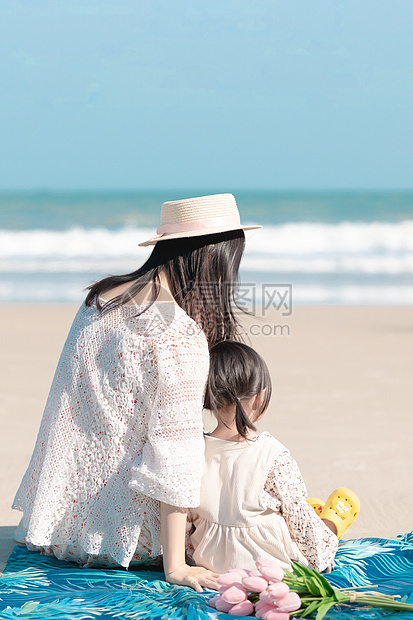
<point x="236" y="372"/>
<point x="202" y="274"/>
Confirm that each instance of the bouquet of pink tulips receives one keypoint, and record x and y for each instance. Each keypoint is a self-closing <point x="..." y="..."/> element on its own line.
<point x="273" y="594"/>
<point x="242" y="592"/>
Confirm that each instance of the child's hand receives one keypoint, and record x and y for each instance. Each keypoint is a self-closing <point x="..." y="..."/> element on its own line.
<point x="195" y="577"/>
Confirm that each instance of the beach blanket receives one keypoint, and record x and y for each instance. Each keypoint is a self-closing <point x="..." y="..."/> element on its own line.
<point x="40" y="587"/>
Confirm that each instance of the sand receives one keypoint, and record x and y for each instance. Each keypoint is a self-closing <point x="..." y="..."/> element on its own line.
<point x="342" y="402"/>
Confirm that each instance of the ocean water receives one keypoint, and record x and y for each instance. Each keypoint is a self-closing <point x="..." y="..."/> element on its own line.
<point x="323" y="247"/>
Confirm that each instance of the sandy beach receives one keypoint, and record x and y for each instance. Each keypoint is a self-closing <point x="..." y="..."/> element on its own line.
<point x="342" y="401"/>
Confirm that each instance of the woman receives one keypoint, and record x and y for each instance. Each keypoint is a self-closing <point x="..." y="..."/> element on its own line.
<point x="120" y="451"/>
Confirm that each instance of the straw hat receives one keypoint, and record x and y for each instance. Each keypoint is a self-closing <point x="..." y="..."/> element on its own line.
<point x="193" y="217"/>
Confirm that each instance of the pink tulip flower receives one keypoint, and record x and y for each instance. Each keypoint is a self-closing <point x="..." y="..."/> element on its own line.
<point x="290" y="602"/>
<point x="275" y="615"/>
<point x="234" y="594"/>
<point x="240" y="571"/>
<point x="269" y="612"/>
<point x="267" y="598"/>
<point x="272" y="598"/>
<point x="242" y="609"/>
<point x="257" y="573"/>
<point x="261" y="608"/>
<point x="213" y="601"/>
<point x="267" y="560"/>
<point x="255" y="583"/>
<point x="278" y="589"/>
<point x="222" y="605"/>
<point x="229" y="579"/>
<point x="273" y="572"/>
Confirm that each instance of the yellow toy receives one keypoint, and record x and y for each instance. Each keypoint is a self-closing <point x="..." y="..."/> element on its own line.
<point x="317" y="504"/>
<point x="342" y="508"/>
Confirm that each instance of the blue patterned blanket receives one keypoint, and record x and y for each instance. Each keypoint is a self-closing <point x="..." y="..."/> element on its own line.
<point x="38" y="587"/>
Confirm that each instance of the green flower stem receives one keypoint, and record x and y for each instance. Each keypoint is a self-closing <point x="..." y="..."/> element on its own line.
<point x="384" y="601"/>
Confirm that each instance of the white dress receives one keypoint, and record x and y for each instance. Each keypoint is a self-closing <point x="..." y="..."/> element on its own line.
<point x="252" y="505"/>
<point x="121" y="432"/>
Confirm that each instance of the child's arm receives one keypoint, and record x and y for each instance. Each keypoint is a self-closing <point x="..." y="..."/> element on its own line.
<point x="286" y="493"/>
<point x="173" y="525"/>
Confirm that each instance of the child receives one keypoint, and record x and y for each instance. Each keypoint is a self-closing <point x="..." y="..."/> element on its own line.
<point x="253" y="498"/>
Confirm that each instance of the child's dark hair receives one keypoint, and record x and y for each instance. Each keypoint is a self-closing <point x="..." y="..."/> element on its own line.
<point x="236" y="372"/>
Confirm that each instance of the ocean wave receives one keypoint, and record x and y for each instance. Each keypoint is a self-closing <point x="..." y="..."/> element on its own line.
<point x="375" y="264"/>
<point x="71" y="289"/>
<point x="307" y="238"/>
<point x="347" y="247"/>
<point x="75" y="242"/>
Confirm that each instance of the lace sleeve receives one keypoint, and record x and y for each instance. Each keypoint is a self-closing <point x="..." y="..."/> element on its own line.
<point x="285" y="492"/>
<point x="171" y="464"/>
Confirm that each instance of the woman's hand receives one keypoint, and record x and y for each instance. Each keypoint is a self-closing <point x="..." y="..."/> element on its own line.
<point x="195" y="577"/>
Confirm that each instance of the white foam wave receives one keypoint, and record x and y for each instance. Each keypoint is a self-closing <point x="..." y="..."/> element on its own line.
<point x="354" y="295"/>
<point x="348" y="247"/>
<point x="63" y="291"/>
<point x="374" y="264"/>
<point x="303" y="238"/>
<point x="367" y="265"/>
<point x="76" y="242"/>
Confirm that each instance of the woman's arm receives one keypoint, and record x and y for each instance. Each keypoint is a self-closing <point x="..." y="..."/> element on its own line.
<point x="169" y="467"/>
<point x="177" y="571"/>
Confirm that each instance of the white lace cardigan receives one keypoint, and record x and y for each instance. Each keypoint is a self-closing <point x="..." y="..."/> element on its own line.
<point x="122" y="431"/>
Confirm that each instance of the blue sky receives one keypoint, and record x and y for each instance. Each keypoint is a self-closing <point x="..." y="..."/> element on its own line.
<point x="213" y="94"/>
